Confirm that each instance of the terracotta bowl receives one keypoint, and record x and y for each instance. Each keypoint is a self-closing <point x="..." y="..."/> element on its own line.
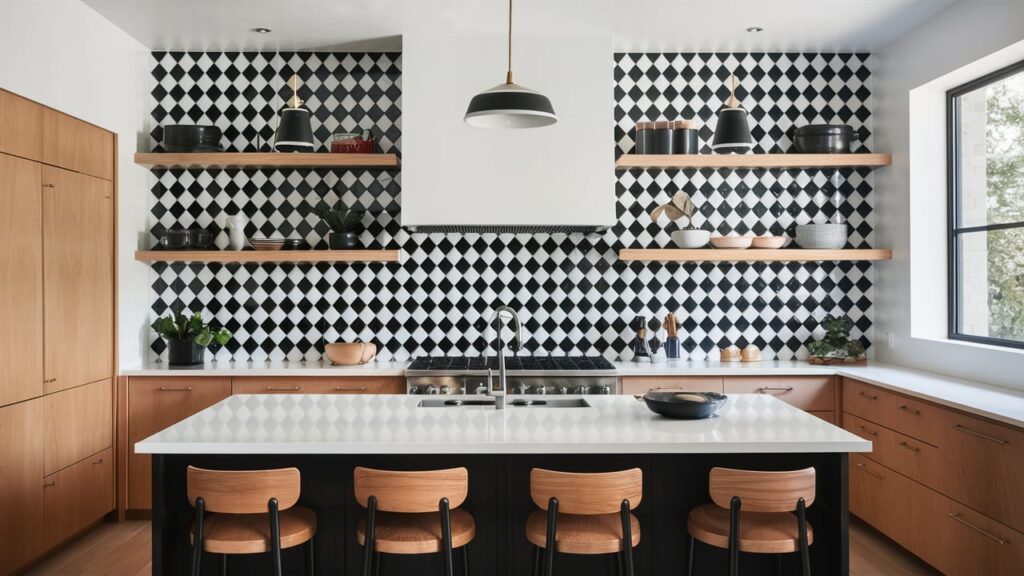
<point x="768" y="242"/>
<point x="350" y="353"/>
<point x="731" y="241"/>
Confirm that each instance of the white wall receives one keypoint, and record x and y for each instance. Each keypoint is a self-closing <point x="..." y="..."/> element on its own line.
<point x="967" y="40"/>
<point x="64" y="55"/>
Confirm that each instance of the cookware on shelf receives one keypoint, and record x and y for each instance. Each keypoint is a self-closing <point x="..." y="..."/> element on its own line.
<point x="824" y="138"/>
<point x="683" y="405"/>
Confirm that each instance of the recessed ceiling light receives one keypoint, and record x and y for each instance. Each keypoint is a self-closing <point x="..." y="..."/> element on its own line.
<point x="755" y="29"/>
<point x="261" y="30"/>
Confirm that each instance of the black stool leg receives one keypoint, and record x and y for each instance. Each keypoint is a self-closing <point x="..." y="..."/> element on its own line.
<point x="223" y="565"/>
<point x="371" y="513"/>
<point x="536" y="561"/>
<point x="805" y="554"/>
<point x="275" y="535"/>
<point x="627" y="539"/>
<point x="197" y="538"/>
<point x="618" y="563"/>
<point x="377" y="561"/>
<point x="778" y="565"/>
<point x="465" y="559"/>
<point x="689" y="556"/>
<point x="549" y="544"/>
<point x="734" y="537"/>
<point x="309" y="557"/>
<point x="446" y="536"/>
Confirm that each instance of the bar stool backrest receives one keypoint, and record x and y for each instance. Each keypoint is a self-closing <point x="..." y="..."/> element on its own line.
<point x="587" y="493"/>
<point x="243" y="491"/>
<point x="762" y="491"/>
<point x="411" y="491"/>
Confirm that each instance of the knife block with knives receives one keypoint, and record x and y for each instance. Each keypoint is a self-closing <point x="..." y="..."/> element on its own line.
<point x="672" y="346"/>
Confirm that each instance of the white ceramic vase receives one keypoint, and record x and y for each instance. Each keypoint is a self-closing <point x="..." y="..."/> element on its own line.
<point x="235" y="226"/>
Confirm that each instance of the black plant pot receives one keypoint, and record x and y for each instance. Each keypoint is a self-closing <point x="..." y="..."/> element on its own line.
<point x="184" y="353"/>
<point x="343" y="240"/>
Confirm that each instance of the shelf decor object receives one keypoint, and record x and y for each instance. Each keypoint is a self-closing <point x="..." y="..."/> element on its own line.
<point x="294" y="130"/>
<point x="697" y="161"/>
<point x="279" y="257"/>
<point x="732" y="133"/>
<point x="510" y="105"/>
<point x="745" y="255"/>
<point x="219" y="160"/>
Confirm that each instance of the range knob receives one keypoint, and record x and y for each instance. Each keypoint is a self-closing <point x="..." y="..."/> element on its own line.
<point x="445" y="390"/>
<point x="541" y="389"/>
<point x="563" y="389"/>
<point x="583" y="389"/>
<point x="415" y="390"/>
<point x="431" y="389"/>
<point x="606" y="389"/>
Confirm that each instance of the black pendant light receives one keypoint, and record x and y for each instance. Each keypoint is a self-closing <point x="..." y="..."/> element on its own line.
<point x="510" y="105"/>
<point x="732" y="133"/>
<point x="294" y="131"/>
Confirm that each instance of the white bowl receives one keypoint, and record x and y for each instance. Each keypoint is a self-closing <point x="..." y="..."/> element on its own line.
<point x="691" y="238"/>
<point x="821" y="236"/>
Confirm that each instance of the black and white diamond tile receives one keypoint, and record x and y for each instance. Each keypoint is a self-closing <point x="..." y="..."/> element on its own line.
<point x="573" y="293"/>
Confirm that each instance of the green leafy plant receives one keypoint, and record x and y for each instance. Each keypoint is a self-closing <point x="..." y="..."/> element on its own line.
<point x="837" y="343"/>
<point x="340" y="218"/>
<point x="681" y="206"/>
<point x="178" y="326"/>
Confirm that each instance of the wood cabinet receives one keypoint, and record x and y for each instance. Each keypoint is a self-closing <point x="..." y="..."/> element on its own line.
<point x="319" y="385"/>
<point x="153" y="404"/>
<point x="77" y="423"/>
<point x="21" y="484"/>
<point x="78" y="256"/>
<point x="881" y="498"/>
<point x="95" y="154"/>
<point x="60" y="139"/>
<point x="910" y="416"/>
<point x="77" y="496"/>
<point x="641" y="384"/>
<point x="21" y="126"/>
<point x="809" y="393"/>
<point x="909" y="456"/>
<point x="21" y="279"/>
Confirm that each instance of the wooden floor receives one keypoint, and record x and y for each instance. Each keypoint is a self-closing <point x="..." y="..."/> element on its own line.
<point x="123" y="550"/>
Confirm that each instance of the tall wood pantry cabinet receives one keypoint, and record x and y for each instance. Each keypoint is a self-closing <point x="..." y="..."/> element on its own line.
<point x="57" y="341"/>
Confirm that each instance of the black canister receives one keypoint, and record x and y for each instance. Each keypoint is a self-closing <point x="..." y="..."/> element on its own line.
<point x="663" y="137"/>
<point x="645" y="137"/>
<point x="684" y="137"/>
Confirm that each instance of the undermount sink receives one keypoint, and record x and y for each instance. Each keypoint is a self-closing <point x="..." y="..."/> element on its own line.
<point x="517" y="403"/>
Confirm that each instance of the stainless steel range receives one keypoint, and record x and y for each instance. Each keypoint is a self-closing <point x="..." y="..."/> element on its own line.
<point x="525" y="374"/>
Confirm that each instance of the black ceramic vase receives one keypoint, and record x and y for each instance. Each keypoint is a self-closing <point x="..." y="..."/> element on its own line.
<point x="343" y="240"/>
<point x="184" y="353"/>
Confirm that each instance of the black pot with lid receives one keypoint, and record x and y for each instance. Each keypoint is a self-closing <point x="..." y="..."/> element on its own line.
<point x="824" y="139"/>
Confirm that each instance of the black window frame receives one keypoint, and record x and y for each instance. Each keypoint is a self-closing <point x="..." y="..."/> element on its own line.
<point x="954" y="227"/>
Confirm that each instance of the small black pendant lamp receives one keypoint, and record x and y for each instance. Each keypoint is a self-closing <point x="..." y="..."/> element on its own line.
<point x="732" y="133"/>
<point x="294" y="131"/>
<point x="510" y="105"/>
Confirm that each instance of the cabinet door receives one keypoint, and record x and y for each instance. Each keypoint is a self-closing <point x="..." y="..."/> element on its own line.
<point x="95" y="153"/>
<point x="21" y="126"/>
<point x="641" y="384"/>
<point x="21" y="484"/>
<point x="881" y="498"/>
<point x="77" y="496"/>
<point x="60" y="139"/>
<point x="154" y="404"/>
<point x="78" y="262"/>
<point x="77" y="423"/>
<point x="319" y="385"/>
<point x="21" y="280"/>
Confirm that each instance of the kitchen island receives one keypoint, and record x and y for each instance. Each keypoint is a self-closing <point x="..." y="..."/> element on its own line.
<point x="326" y="436"/>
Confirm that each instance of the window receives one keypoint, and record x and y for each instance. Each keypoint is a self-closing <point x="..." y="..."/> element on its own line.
<point x="986" y="207"/>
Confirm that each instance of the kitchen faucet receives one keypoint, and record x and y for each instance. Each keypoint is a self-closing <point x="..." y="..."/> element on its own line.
<point x="498" y="392"/>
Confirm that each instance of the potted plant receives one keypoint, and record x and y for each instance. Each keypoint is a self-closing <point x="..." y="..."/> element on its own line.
<point x="344" y="224"/>
<point x="836" y="347"/>
<point x="682" y="206"/>
<point x="187" y="337"/>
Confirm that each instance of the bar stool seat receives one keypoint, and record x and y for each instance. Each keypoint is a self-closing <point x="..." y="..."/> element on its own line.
<point x="760" y="532"/>
<point x="250" y="533"/>
<point x="407" y="533"/>
<point x="582" y="534"/>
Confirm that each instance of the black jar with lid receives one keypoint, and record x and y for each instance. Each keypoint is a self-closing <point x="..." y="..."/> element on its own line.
<point x="645" y="137"/>
<point x="684" y="137"/>
<point x="663" y="137"/>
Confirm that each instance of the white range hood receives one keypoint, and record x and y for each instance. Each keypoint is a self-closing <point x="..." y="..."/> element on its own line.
<point x="459" y="178"/>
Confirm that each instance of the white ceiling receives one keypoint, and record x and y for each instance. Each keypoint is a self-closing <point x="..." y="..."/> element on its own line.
<point x="657" y="25"/>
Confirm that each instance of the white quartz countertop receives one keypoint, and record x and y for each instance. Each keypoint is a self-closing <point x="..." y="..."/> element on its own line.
<point x="395" y="424"/>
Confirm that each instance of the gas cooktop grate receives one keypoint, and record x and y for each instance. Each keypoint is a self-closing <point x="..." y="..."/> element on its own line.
<point x="555" y="363"/>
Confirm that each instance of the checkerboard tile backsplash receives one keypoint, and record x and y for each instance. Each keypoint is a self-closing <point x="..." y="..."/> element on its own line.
<point x="572" y="292"/>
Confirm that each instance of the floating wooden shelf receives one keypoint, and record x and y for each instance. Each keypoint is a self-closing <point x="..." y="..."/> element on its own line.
<point x="271" y="256"/>
<point x="751" y="255"/>
<point x="628" y="161"/>
<point x="264" y="160"/>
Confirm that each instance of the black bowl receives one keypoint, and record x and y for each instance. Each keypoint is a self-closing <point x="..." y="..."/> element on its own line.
<point x="684" y="405"/>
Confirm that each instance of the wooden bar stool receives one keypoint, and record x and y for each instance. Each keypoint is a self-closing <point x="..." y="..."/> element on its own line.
<point x="584" y="514"/>
<point x="753" y="512"/>
<point x="248" y="512"/>
<point x="413" y="513"/>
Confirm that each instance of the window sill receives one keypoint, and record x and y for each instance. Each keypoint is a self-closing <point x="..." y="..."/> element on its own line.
<point x="972" y="345"/>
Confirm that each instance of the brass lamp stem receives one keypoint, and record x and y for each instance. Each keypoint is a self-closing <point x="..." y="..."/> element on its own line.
<point x="508" y="76"/>
<point x="294" y="101"/>
<point x="732" y="102"/>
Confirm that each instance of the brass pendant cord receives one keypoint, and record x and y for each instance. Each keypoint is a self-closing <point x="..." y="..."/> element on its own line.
<point x="508" y="76"/>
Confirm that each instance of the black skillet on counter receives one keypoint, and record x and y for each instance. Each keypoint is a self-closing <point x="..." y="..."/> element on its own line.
<point x="683" y="405"/>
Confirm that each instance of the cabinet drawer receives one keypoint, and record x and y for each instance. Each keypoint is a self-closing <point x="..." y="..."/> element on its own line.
<point x="76" y="424"/>
<point x="641" y="384"/>
<point x="805" y="392"/>
<point x="21" y="126"/>
<point x="908" y="456"/>
<point x="155" y="404"/>
<point x="881" y="498"/>
<point x="60" y="139"/>
<point x="77" y="496"/>
<point x="915" y="418"/>
<point x="319" y="385"/>
<point x="95" y="154"/>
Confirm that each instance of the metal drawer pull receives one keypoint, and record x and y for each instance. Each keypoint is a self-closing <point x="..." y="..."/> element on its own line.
<point x="872" y="432"/>
<point x="909" y="447"/>
<point x="906" y="408"/>
<point x="350" y="388"/>
<point x="49" y="380"/>
<point x="868" y="397"/>
<point x="764" y="389"/>
<point x="979" y="434"/>
<point x="100" y="461"/>
<point x="280" y="388"/>
<point x="48" y="186"/>
<point x="959" y="518"/>
<point x="170" y="389"/>
<point x="868" y="470"/>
